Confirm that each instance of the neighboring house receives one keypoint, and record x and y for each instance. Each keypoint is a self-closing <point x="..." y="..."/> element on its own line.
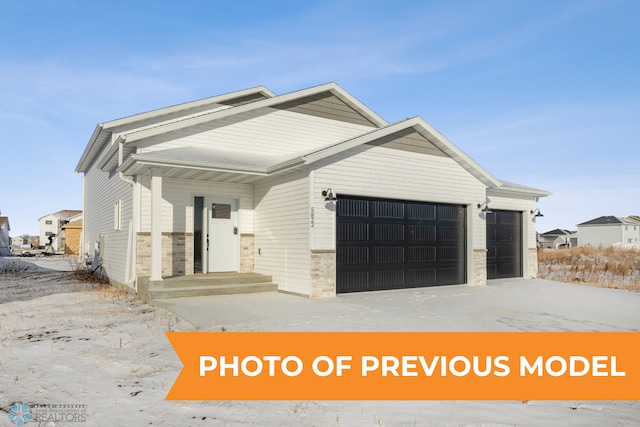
<point x="72" y="235"/>
<point x="247" y="182"/>
<point x="554" y="238"/>
<point x="51" y="225"/>
<point x="633" y="218"/>
<point x="20" y="242"/>
<point x="24" y="243"/>
<point x="609" y="231"/>
<point x="5" y="240"/>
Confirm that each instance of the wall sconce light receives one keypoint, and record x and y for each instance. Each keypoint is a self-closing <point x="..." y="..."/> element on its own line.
<point x="329" y="196"/>
<point x="536" y="213"/>
<point x="484" y="207"/>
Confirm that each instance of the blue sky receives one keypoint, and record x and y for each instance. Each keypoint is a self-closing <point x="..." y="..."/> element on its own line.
<point x="542" y="93"/>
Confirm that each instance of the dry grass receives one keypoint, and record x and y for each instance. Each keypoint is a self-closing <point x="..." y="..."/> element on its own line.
<point x="607" y="267"/>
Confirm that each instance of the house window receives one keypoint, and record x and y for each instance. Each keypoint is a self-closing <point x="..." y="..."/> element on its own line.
<point x="117" y="215"/>
<point x="48" y="233"/>
<point x="220" y="211"/>
<point x="48" y="222"/>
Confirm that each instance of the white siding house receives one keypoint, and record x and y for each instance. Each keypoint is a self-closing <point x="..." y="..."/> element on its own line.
<point x="248" y="181"/>
<point x="51" y="226"/>
<point x="609" y="231"/>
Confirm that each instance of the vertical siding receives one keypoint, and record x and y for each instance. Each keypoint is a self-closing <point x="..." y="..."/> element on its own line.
<point x="394" y="174"/>
<point x="281" y="221"/>
<point x="102" y="190"/>
<point x="177" y="202"/>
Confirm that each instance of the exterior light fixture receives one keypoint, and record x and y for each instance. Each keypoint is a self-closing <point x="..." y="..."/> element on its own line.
<point x="536" y="213"/>
<point x="329" y="196"/>
<point x="484" y="207"/>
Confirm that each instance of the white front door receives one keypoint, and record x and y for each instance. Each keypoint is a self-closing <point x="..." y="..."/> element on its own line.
<point x="222" y="237"/>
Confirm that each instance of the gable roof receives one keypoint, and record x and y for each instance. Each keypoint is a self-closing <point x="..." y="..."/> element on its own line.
<point x="63" y="214"/>
<point x="218" y="163"/>
<point x="102" y="133"/>
<point x="423" y="128"/>
<point x="606" y="220"/>
<point x="557" y="232"/>
<point x="634" y="218"/>
<point x="162" y="127"/>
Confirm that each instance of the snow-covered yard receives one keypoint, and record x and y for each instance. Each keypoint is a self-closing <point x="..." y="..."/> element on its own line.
<point x="63" y="341"/>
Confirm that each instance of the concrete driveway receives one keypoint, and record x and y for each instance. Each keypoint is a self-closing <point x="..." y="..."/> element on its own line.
<point x="502" y="305"/>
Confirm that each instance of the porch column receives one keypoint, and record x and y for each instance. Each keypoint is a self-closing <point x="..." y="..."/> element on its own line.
<point x="156" y="225"/>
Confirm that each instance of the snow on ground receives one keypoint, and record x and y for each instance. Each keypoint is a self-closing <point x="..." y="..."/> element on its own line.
<point x="63" y="341"/>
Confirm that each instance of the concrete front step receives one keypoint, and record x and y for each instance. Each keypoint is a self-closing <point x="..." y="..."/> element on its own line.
<point x="210" y="279"/>
<point x="210" y="289"/>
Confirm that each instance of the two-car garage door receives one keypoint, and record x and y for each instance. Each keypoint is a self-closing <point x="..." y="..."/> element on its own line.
<point x="392" y="244"/>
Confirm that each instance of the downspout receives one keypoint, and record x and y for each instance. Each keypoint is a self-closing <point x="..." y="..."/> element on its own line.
<point x="128" y="280"/>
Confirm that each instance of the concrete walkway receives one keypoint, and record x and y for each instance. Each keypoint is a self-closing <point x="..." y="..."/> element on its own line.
<point x="502" y="305"/>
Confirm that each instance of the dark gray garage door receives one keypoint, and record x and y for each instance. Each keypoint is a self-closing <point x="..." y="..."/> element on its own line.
<point x="504" y="244"/>
<point x="392" y="244"/>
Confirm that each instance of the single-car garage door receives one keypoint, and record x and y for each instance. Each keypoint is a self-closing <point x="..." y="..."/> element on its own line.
<point x="392" y="244"/>
<point x="504" y="244"/>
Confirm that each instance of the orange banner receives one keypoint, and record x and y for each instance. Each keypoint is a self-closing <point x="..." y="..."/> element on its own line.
<point x="407" y="365"/>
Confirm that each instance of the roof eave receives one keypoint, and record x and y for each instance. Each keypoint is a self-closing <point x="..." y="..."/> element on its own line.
<point x="135" y="159"/>
<point x="83" y="163"/>
<point x="534" y="192"/>
<point x="217" y="99"/>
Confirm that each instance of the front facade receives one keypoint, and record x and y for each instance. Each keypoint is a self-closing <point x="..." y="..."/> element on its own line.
<point x="311" y="188"/>
<point x="609" y="231"/>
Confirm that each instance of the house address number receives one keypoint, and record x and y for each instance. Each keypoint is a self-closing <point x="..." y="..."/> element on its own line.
<point x="313" y="217"/>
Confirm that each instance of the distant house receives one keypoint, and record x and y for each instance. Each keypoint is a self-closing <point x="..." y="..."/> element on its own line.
<point x="609" y="231"/>
<point x="51" y="226"/>
<point x="311" y="187"/>
<point x="20" y="242"/>
<point x="554" y="238"/>
<point x="5" y="241"/>
<point x="633" y="218"/>
<point x="71" y="234"/>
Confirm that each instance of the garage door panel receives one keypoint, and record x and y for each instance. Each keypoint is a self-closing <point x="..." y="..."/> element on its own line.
<point x="353" y="208"/>
<point x="392" y="210"/>
<point x="354" y="280"/>
<point x="421" y="277"/>
<point x="422" y="254"/>
<point x="388" y="255"/>
<point x="421" y="211"/>
<point x="352" y="255"/>
<point x="422" y="233"/>
<point x="398" y="244"/>
<point x="388" y="232"/>
<point x="353" y="231"/>
<point x="449" y="213"/>
<point x="390" y="279"/>
<point x="449" y="234"/>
